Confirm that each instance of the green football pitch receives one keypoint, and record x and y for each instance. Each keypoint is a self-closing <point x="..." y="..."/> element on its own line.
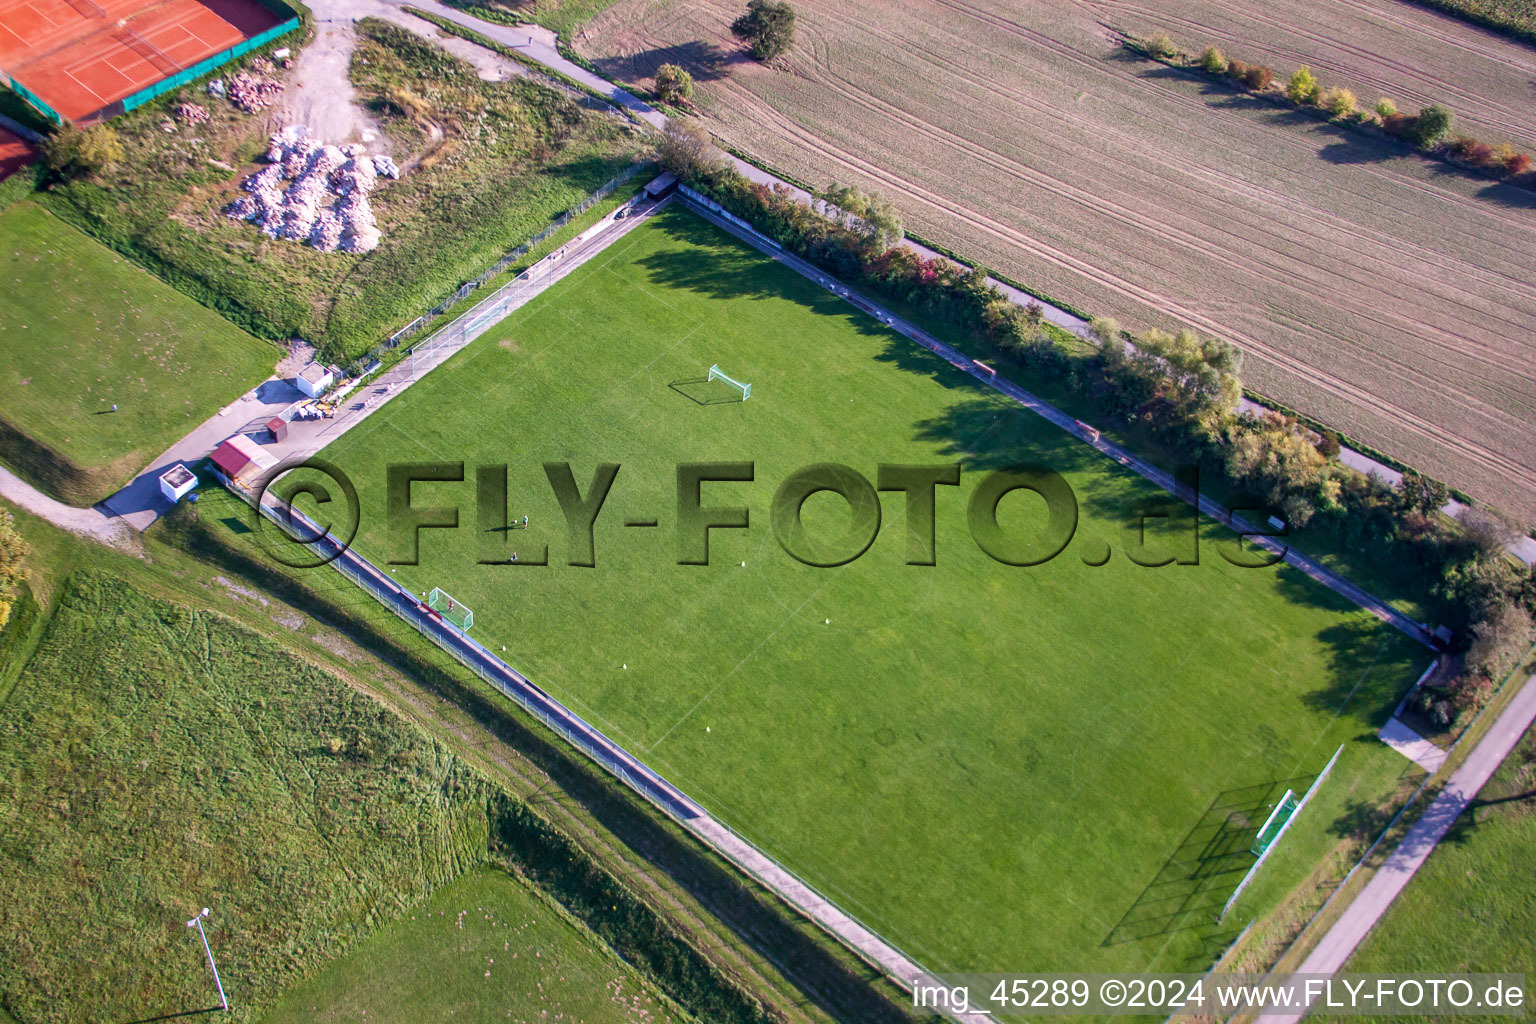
<point x="997" y="768"/>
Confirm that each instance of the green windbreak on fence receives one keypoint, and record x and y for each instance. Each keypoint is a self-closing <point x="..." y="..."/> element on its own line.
<point x="203" y="67"/>
<point x="31" y="98"/>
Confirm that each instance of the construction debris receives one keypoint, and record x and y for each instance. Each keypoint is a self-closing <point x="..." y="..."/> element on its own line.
<point x="191" y="113"/>
<point x="325" y="199"/>
<point x="251" y="93"/>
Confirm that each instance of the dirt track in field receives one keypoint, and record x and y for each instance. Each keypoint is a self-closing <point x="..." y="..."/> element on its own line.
<point x="1390" y="296"/>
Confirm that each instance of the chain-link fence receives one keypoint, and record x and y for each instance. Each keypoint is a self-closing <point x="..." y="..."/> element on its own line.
<point x="416" y="326"/>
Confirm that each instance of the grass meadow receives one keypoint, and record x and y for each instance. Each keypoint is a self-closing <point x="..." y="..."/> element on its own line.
<point x="84" y="330"/>
<point x="1046" y="768"/>
<point x="1471" y="907"/>
<point x="156" y="758"/>
<point x="483" y="947"/>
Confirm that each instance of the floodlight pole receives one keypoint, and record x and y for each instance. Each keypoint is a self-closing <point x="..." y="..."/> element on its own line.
<point x="198" y="920"/>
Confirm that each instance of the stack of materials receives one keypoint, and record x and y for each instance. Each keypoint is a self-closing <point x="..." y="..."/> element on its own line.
<point x="325" y="199"/>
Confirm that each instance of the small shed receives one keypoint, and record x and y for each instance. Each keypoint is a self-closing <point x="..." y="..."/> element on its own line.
<point x="278" y="428"/>
<point x="315" y="379"/>
<point x="662" y="186"/>
<point x="241" y="460"/>
<point x="176" y="482"/>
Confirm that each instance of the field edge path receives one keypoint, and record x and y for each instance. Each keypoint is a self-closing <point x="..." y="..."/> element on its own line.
<point x="1366" y="909"/>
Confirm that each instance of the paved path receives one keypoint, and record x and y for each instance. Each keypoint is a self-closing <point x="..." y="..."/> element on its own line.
<point x="1085" y="433"/>
<point x="1397" y="735"/>
<point x="87" y="522"/>
<point x="1334" y="951"/>
<point x="139" y="503"/>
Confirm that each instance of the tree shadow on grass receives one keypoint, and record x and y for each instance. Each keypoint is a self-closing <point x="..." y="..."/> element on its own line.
<point x="1358" y="684"/>
<point x="1189" y="890"/>
<point x="991" y="432"/>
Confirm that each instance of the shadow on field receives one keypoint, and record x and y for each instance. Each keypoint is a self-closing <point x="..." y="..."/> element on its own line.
<point x="703" y="391"/>
<point x="1513" y="196"/>
<point x="842" y="987"/>
<point x="705" y="61"/>
<point x="178" y="1013"/>
<point x="993" y="432"/>
<point x="721" y="270"/>
<point x="1188" y="892"/>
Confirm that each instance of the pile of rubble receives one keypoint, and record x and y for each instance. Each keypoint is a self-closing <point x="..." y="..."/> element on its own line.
<point x="191" y="113"/>
<point x="325" y="199"/>
<point x="251" y="93"/>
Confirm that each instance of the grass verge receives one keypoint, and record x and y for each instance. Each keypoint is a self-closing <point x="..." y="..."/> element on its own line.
<point x="102" y="366"/>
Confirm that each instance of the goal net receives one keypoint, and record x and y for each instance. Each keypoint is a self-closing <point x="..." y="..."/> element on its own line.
<point x="715" y="373"/>
<point x="454" y="612"/>
<point x="1275" y="824"/>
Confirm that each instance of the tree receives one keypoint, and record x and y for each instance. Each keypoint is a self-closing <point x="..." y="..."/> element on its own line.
<point x="687" y="151"/>
<point x="1431" y="126"/>
<point x="768" y="28"/>
<point x="1212" y="61"/>
<point x="1498" y="640"/>
<point x="873" y="217"/>
<point x="673" y="84"/>
<point x="1421" y="493"/>
<point x="1386" y="108"/>
<point x="75" y="153"/>
<point x="1303" y="87"/>
<point x="13" y="555"/>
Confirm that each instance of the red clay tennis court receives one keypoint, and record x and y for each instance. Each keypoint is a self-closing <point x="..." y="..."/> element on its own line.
<point x="14" y="153"/>
<point x="81" y="56"/>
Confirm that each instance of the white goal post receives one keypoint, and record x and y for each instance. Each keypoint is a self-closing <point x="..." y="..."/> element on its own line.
<point x="715" y="373"/>
<point x="454" y="612"/>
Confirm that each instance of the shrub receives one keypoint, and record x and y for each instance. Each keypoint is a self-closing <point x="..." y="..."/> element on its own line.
<point x="673" y="84"/>
<point x="13" y="557"/>
<point x="1396" y="124"/>
<point x="1258" y="77"/>
<point x="1517" y="165"/>
<point x="1303" y="87"/>
<point x="1160" y="44"/>
<point x="768" y="28"/>
<point x="1328" y="444"/>
<point x="1431" y="127"/>
<point x="73" y="153"/>
<point x="1236" y="69"/>
<point x="1385" y="108"/>
<point x="1212" y="61"/>
<point x="1480" y="154"/>
<point x="1339" y="102"/>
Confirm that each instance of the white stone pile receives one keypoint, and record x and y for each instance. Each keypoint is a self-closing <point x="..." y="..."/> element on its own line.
<point x="325" y="199"/>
